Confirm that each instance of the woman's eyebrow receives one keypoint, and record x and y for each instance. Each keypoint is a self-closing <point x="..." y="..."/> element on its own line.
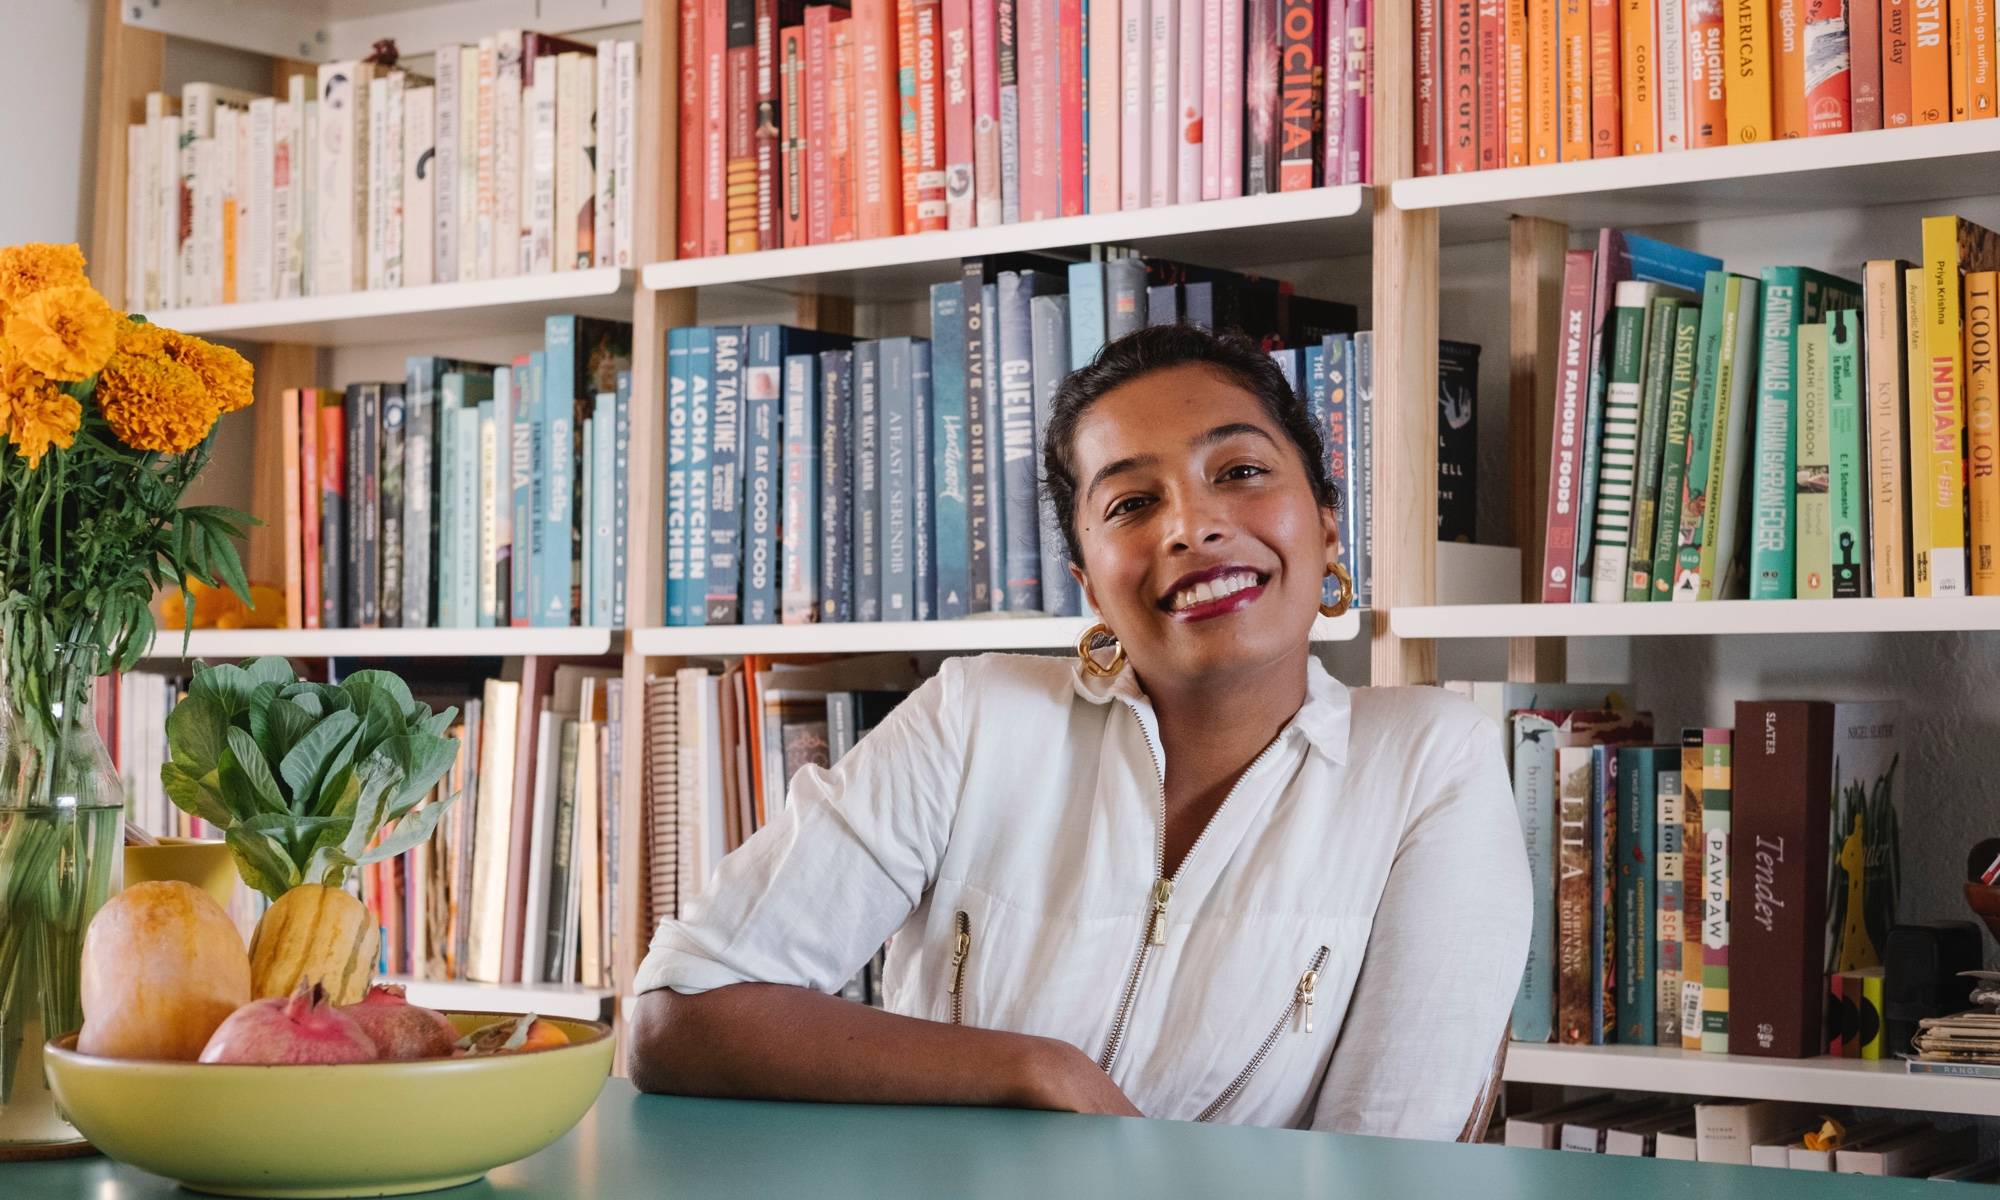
<point x="1222" y="433"/>
<point x="1119" y="467"/>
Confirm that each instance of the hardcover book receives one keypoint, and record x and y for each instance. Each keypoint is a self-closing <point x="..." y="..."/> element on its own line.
<point x="836" y="497"/>
<point x="1717" y="880"/>
<point x="950" y="438"/>
<point x="1848" y="479"/>
<point x="1638" y="774"/>
<point x="721" y="554"/>
<point x="867" y="511"/>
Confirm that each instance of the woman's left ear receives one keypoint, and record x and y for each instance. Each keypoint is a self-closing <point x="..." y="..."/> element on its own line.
<point x="1083" y="583"/>
<point x="1329" y="521"/>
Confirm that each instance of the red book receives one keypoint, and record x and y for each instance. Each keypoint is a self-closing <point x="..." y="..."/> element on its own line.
<point x="1827" y="73"/>
<point x="843" y="178"/>
<point x="740" y="186"/>
<point x="1041" y="143"/>
<point x="1071" y="200"/>
<point x="792" y="191"/>
<point x="1566" y="447"/>
<point x="1898" y="98"/>
<point x="309" y="464"/>
<point x="1429" y="160"/>
<point x="1781" y="775"/>
<point x="1864" y="44"/>
<point x="764" y="120"/>
<point x="714" y="126"/>
<point x="1298" y="93"/>
<point x="957" y="50"/>
<point x="1461" y="72"/>
<point x="332" y="512"/>
<point x="1788" y="68"/>
<point x="1491" y="36"/>
<point x="1606" y="131"/>
<point x="932" y="211"/>
<point x="1333" y="117"/>
<point x="877" y="149"/>
<point x="1708" y="119"/>
<point x="821" y="85"/>
<point x="986" y="112"/>
<point x="905" y="74"/>
<point x="688" y="218"/>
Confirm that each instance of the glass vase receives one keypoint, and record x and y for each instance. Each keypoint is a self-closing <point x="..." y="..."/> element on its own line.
<point x="61" y="852"/>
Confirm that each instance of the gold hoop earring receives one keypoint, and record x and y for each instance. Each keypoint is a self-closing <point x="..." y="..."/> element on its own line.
<point x="1088" y="643"/>
<point x="1346" y="592"/>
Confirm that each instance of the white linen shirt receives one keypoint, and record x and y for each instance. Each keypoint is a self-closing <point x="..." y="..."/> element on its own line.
<point x="1374" y="841"/>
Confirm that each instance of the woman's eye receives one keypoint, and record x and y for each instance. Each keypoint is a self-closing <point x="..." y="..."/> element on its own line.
<point x="1129" y="504"/>
<point x="1244" y="471"/>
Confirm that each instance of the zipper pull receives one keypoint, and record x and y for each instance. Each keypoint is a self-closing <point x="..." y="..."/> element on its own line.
<point x="1163" y="891"/>
<point x="961" y="949"/>
<point x="1307" y="983"/>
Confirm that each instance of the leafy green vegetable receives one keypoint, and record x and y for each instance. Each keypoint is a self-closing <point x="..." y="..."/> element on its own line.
<point x="307" y="780"/>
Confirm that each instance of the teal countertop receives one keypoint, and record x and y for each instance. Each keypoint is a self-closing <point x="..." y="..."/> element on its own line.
<point x="655" y="1146"/>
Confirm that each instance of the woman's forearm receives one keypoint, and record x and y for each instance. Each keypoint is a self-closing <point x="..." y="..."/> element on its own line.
<point x="775" y="1042"/>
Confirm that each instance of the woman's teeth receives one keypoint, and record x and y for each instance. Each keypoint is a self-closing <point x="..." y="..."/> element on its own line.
<point x="1213" y="589"/>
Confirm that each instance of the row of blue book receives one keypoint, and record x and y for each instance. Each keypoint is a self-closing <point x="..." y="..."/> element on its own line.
<point x="815" y="477"/>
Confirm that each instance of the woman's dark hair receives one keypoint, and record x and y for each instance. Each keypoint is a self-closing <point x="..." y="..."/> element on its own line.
<point x="1156" y="348"/>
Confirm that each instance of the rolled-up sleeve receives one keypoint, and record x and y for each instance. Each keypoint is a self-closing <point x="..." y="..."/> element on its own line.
<point x="1444" y="959"/>
<point x="813" y="895"/>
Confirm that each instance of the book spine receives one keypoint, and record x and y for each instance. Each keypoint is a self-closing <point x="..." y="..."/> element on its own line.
<point x="1573" y="118"/>
<point x="257" y="249"/>
<point x="1189" y="90"/>
<point x="679" y="386"/>
<point x="836" y="477"/>
<point x="950" y="432"/>
<point x="1103" y="49"/>
<point x="1772" y="548"/>
<point x="1778" y="832"/>
<point x="420" y="491"/>
<point x="799" y="587"/>
<point x="1489" y="51"/>
<point x="763" y="373"/>
<point x="485" y="202"/>
<point x="1566" y="456"/>
<point x="1694" y="890"/>
<point x="1788" y="68"/>
<point x="894" y="411"/>
<point x="1544" y="93"/>
<point x="486" y="546"/>
<point x="1232" y="112"/>
<point x="1534" y="756"/>
<point x="450" y="392"/>
<point x="933" y="188"/>
<point x="1941" y="564"/>
<point x="1721" y="560"/>
<point x="867" y="510"/>
<point x="877" y="151"/>
<point x="1639" y="75"/>
<point x="1427" y="146"/>
<point x="621" y="531"/>
<point x="793" y="191"/>
<point x="1673" y="78"/>
<point x="988" y="208"/>
<point x="996" y="458"/>
<point x="309" y="506"/>
<point x="979" y="473"/>
<point x="1864" y="45"/>
<point x="905" y="74"/>
<point x="1458" y="441"/>
<point x="701" y="409"/>
<point x="1461" y="72"/>
<point x="1708" y="118"/>
<point x="1848" y="485"/>
<point x="1514" y="73"/>
<point x="1036" y="139"/>
<point x="1611" y="528"/>
<point x="395" y="412"/>
<point x="819" y="183"/>
<point x="1017" y="435"/>
<point x="1674" y="455"/>
<point x="1982" y="442"/>
<point x="1638" y="847"/>
<point x="1812" y="532"/>
<point x="333" y="515"/>
<point x="539" y="201"/>
<point x="1049" y="349"/>
<point x="1828" y="75"/>
<point x="1916" y="428"/>
<point x="1134" y="101"/>
<point x="764" y="132"/>
<point x="1364" y="461"/>
<point x="740" y="137"/>
<point x="1573" y="895"/>
<point x="723" y="549"/>
<point x="844" y="208"/>
<point x="1747" y="97"/>
<point x="1657" y="377"/>
<point x="625" y="155"/>
<point x="364" y="483"/>
<point x="690" y="189"/>
<point x="554" y="546"/>
<point x="1343" y="464"/>
<point x="1716" y="815"/>
<point x="1333" y="112"/>
<point x="1669" y="900"/>
<point x="1260" y="137"/>
<point x="1898" y="92"/>
<point x="1606" y="132"/>
<point x="1072" y="159"/>
<point x="468" y="162"/>
<point x="1604" y="895"/>
<point x="1985" y="85"/>
<point x="1958" y="45"/>
<point x="956" y="48"/>
<point x="1299" y="86"/>
<point x="1163" y="111"/>
<point x="923" y="505"/>
<point x="419" y="192"/>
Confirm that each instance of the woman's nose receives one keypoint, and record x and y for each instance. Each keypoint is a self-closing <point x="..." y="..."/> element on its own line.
<point x="1197" y="521"/>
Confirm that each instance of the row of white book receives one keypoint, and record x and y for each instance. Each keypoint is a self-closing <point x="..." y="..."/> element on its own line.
<point x="1758" y="1133"/>
<point x="518" y="157"/>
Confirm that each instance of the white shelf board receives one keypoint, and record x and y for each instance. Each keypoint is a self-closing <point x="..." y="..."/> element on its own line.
<point x="217" y="645"/>
<point x="1850" y="170"/>
<point x="864" y="637"/>
<point x="1715" y="617"/>
<point x="331" y="30"/>
<point x="486" y="306"/>
<point x="543" y="999"/>
<point x="1242" y="233"/>
<point x="1881" y="1083"/>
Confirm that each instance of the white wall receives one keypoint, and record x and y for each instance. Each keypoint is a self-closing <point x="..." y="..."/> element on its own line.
<point x="48" y="118"/>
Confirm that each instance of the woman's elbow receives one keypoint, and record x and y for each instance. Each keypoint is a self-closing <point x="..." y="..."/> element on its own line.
<point x="652" y="1063"/>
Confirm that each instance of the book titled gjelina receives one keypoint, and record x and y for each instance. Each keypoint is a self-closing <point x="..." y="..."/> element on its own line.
<point x="1778" y="864"/>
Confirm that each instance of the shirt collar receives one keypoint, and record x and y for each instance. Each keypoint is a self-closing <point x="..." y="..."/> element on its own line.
<point x="1322" y="719"/>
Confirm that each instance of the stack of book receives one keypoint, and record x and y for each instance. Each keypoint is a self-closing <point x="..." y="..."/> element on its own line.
<point x="1709" y="894"/>
<point x="1796" y="434"/>
<point x="517" y="158"/>
<point x="805" y="124"/>
<point x="1542" y="81"/>
<point x="465" y="495"/>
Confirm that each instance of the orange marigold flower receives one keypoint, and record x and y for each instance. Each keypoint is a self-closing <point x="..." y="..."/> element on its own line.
<point x="223" y="371"/>
<point x="37" y="266"/>
<point x="155" y="403"/>
<point x="35" y="414"/>
<point x="65" y="332"/>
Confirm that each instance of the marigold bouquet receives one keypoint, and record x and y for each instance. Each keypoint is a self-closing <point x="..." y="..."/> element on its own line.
<point x="104" y="422"/>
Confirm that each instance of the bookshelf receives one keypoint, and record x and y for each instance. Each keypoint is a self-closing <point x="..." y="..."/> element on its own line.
<point x="543" y="999"/>
<point x="971" y="636"/>
<point x="217" y="645"/>
<point x="1716" y="618"/>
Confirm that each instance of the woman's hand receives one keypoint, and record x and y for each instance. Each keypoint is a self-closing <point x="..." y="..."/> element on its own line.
<point x="1062" y="1078"/>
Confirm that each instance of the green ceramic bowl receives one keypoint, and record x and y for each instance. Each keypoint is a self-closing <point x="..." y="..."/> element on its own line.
<point x="361" y="1129"/>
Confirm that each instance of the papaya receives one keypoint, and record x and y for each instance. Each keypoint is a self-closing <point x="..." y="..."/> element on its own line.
<point x="317" y="934"/>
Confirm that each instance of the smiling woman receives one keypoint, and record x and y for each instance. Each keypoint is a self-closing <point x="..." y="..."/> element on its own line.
<point x="1196" y="878"/>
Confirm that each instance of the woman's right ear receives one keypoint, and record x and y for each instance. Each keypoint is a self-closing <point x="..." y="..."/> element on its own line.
<point x="1083" y="584"/>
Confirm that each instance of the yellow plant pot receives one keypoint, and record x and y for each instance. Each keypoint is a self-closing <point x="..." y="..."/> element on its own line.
<point x="207" y="865"/>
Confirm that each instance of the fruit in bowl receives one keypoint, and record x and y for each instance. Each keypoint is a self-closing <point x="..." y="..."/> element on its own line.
<point x="162" y="968"/>
<point x="402" y="1030"/>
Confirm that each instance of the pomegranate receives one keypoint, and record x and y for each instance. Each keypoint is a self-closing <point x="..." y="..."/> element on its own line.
<point x="515" y="1035"/>
<point x="400" y="1029"/>
<point x="302" y="1028"/>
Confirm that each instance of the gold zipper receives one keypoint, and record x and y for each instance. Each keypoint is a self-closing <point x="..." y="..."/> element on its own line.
<point x="961" y="949"/>
<point x="1155" y="931"/>
<point x="1298" y="1013"/>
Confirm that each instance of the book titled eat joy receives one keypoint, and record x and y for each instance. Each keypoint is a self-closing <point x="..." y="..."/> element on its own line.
<point x="1778" y="867"/>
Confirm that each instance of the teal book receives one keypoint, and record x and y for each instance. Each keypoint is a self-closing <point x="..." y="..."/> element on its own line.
<point x="447" y="509"/>
<point x="1639" y="769"/>
<point x="1338" y="349"/>
<point x="486" y="554"/>
<point x="1662" y="342"/>
<point x="701" y="382"/>
<point x="1812" y="533"/>
<point x="1534" y="752"/>
<point x="723" y="549"/>
<point x="603" y="482"/>
<point x="621" y="484"/>
<point x="1086" y="312"/>
<point x="1603" y="836"/>
<point x="949" y="442"/>
<point x="465" y="551"/>
<point x="765" y="347"/>
<point x="586" y="518"/>
<point x="1848" y="485"/>
<point x="553" y="577"/>
<point x="520" y="447"/>
<point x="1792" y="296"/>
<point x="1716" y="313"/>
<point x="1020" y="471"/>
<point x="678" y="385"/>
<point x="1618" y="450"/>
<point x="1697" y="333"/>
<point x="1049" y="316"/>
